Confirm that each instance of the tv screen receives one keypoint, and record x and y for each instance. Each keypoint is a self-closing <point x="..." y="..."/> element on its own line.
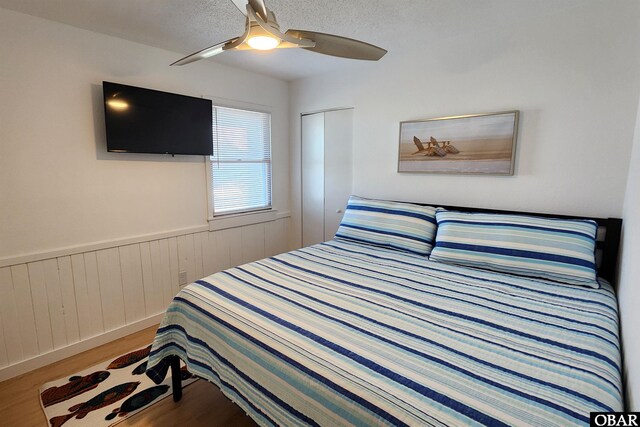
<point x="141" y="120"/>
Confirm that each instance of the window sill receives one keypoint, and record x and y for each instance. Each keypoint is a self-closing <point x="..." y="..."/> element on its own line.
<point x="243" y="219"/>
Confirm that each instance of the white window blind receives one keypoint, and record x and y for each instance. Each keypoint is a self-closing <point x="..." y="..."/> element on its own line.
<point x="241" y="161"/>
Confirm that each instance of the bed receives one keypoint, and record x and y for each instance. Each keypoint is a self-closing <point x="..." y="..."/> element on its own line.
<point x="349" y="333"/>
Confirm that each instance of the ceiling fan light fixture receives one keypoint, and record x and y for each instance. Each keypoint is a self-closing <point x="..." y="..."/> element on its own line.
<point x="262" y="32"/>
<point x="263" y="42"/>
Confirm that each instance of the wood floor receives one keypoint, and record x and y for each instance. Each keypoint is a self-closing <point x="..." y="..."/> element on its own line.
<point x="202" y="403"/>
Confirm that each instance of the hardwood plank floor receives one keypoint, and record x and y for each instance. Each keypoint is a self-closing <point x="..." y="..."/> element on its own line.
<point x="202" y="404"/>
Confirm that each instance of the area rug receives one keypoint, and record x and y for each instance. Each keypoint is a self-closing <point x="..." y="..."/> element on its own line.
<point x="107" y="393"/>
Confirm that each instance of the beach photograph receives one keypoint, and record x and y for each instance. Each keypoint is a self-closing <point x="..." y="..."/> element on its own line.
<point x="477" y="144"/>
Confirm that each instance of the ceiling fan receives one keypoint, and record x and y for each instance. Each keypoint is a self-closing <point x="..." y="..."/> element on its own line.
<point x="263" y="33"/>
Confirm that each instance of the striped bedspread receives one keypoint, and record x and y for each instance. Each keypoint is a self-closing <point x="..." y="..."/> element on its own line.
<point x="346" y="334"/>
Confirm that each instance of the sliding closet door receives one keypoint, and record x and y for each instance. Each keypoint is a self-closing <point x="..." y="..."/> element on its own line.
<point x="338" y="137"/>
<point x="312" y="179"/>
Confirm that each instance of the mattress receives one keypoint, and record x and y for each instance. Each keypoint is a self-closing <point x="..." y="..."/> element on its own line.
<point x="342" y="333"/>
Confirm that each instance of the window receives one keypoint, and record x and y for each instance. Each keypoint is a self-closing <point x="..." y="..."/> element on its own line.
<point x="241" y="163"/>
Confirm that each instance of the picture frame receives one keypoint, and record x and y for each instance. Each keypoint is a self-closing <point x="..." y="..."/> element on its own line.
<point x="476" y="144"/>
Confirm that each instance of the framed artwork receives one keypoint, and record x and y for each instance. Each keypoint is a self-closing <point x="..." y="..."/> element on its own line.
<point x="482" y="144"/>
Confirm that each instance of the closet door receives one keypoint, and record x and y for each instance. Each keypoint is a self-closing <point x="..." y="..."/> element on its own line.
<point x="338" y="137"/>
<point x="313" y="179"/>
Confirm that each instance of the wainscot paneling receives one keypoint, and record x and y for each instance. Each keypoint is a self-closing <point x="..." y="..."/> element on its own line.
<point x="61" y="303"/>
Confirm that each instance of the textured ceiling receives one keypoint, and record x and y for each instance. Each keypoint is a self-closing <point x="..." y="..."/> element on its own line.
<point x="185" y="26"/>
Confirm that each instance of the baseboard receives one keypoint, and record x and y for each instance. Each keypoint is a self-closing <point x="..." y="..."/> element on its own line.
<point x="62" y="353"/>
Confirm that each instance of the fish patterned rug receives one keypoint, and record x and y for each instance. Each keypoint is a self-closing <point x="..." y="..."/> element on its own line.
<point x="105" y="394"/>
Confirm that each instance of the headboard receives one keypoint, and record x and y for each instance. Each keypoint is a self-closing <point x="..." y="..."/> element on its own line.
<point x="608" y="240"/>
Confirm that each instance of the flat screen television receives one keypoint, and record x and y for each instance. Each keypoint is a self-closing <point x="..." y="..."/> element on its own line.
<point x="141" y="120"/>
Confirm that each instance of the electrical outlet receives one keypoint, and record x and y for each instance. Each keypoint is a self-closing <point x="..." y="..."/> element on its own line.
<point x="182" y="278"/>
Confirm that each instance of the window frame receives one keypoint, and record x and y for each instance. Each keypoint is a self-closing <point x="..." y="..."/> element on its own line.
<point x="245" y="216"/>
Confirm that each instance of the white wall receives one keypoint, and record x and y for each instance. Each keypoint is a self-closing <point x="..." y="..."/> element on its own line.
<point x="92" y="243"/>
<point x="629" y="287"/>
<point x="58" y="185"/>
<point x="571" y="71"/>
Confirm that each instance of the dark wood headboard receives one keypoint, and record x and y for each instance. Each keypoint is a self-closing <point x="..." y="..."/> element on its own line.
<point x="607" y="246"/>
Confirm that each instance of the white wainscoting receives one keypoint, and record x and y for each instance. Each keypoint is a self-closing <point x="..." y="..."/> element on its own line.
<point x="61" y="303"/>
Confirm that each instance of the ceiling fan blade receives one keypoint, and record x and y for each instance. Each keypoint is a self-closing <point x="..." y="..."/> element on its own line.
<point x="260" y="8"/>
<point x="204" y="53"/>
<point x="343" y="47"/>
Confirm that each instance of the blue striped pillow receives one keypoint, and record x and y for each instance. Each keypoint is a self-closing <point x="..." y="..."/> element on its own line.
<point x="403" y="226"/>
<point x="555" y="249"/>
